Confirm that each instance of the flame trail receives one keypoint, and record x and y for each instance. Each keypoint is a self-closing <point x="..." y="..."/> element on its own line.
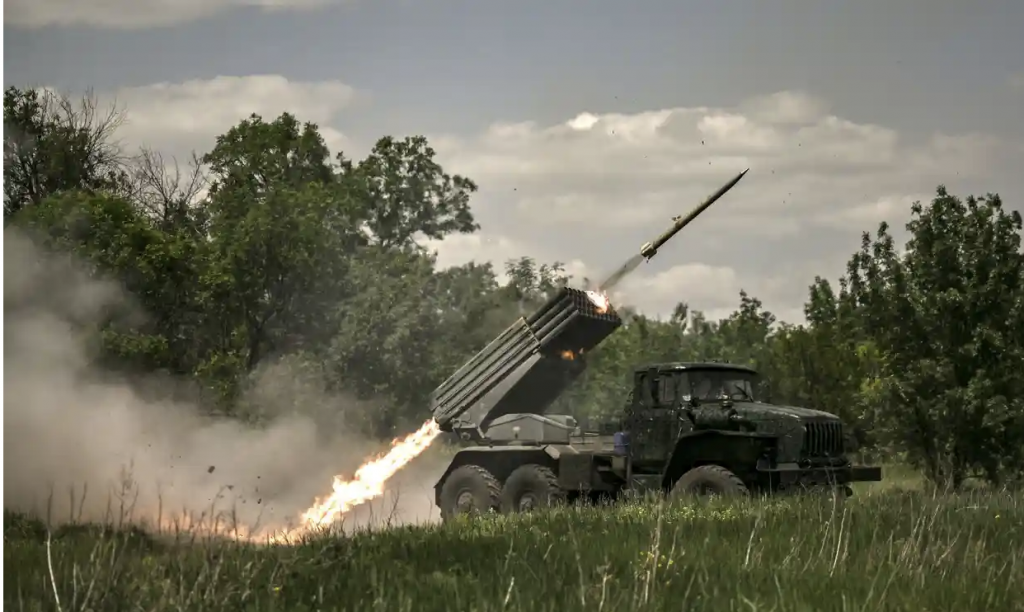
<point x="366" y="484"/>
<point x="369" y="480"/>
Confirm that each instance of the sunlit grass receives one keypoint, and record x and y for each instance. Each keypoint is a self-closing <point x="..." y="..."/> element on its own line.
<point x="888" y="548"/>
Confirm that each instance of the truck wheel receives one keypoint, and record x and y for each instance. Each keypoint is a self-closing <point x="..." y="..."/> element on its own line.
<point x="710" y="480"/>
<point x="469" y="489"/>
<point x="531" y="487"/>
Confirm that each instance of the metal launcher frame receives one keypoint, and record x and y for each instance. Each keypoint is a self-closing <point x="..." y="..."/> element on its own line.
<point x="522" y="371"/>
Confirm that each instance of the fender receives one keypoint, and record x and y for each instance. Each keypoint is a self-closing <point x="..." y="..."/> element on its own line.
<point x="735" y="450"/>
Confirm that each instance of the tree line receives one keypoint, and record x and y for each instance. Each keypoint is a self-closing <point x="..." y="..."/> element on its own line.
<point x="270" y="247"/>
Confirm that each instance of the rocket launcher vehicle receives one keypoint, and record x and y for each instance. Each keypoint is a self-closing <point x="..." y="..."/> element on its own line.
<point x="530" y="364"/>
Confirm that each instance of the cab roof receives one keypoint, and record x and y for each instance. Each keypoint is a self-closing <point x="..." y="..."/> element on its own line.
<point x="680" y="366"/>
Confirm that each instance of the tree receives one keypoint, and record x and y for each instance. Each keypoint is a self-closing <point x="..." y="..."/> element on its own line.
<point x="947" y="317"/>
<point x="53" y="143"/>
<point x="169" y="196"/>
<point x="279" y="231"/>
<point x="407" y="194"/>
<point x="304" y="255"/>
<point x="825" y="363"/>
<point x="255" y="157"/>
<point x="111" y="236"/>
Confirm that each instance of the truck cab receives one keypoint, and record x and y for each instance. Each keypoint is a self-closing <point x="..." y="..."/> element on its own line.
<point x="684" y="416"/>
<point x="665" y="398"/>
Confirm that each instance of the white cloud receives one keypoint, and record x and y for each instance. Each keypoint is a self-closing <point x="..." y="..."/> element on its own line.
<point x="483" y="247"/>
<point x="714" y="288"/>
<point x="892" y="208"/>
<point x="135" y="14"/>
<point x="630" y="169"/>
<point x="177" y="118"/>
<point x="597" y="185"/>
<point x="589" y="190"/>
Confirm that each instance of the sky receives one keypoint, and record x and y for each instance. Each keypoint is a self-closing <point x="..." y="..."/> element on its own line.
<point x="588" y="125"/>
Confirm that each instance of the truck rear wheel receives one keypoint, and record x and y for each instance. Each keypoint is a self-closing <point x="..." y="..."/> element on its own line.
<point x="469" y="489"/>
<point x="531" y="487"/>
<point x="710" y="480"/>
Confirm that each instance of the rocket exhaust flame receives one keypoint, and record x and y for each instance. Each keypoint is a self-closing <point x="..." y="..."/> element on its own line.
<point x="367" y="483"/>
<point x="369" y="480"/>
<point x="600" y="300"/>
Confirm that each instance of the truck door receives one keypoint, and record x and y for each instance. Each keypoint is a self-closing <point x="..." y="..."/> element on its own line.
<point x="652" y="422"/>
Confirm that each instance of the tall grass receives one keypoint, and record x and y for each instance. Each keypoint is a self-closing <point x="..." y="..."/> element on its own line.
<point x="885" y="549"/>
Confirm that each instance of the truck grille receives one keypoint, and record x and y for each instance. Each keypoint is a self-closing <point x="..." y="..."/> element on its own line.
<point x="823" y="439"/>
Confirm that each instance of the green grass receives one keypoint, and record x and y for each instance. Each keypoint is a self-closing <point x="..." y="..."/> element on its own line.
<point x="888" y="548"/>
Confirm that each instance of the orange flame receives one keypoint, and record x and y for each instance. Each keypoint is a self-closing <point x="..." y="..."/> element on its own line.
<point x="368" y="482"/>
<point x="568" y="355"/>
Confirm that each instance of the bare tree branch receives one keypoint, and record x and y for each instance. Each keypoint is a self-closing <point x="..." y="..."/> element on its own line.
<point x="54" y="142"/>
<point x="165" y="191"/>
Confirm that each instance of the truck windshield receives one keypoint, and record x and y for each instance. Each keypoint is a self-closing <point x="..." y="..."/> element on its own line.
<point x="714" y="385"/>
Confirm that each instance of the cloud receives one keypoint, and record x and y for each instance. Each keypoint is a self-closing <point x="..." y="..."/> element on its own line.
<point x="1016" y="82"/>
<point x="596" y="186"/>
<point x="483" y="247"/>
<point x="136" y="14"/>
<point x="714" y="287"/>
<point x="177" y="118"/>
<point x="589" y="190"/>
<point x="627" y="170"/>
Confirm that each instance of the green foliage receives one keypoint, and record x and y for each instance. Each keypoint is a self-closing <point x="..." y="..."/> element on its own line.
<point x="948" y="316"/>
<point x="297" y="254"/>
<point x="52" y="144"/>
<point x="405" y="193"/>
<point x="884" y="550"/>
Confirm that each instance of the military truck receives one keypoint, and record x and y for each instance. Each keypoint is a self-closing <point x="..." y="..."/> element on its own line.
<point x="686" y="428"/>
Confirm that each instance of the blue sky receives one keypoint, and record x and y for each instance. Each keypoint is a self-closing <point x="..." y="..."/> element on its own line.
<point x="836" y="107"/>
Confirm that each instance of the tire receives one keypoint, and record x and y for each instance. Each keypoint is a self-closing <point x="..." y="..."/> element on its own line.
<point x="710" y="480"/>
<point x="469" y="489"/>
<point x="531" y="487"/>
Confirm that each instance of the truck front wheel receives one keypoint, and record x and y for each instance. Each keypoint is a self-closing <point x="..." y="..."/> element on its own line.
<point x="469" y="489"/>
<point x="710" y="480"/>
<point x="531" y="487"/>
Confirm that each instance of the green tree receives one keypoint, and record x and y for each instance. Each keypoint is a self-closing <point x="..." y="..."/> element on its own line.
<point x="947" y="317"/>
<point x="406" y="194"/>
<point x="154" y="331"/>
<point x="53" y="143"/>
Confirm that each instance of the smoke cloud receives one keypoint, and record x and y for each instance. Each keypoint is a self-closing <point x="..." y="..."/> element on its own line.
<point x="83" y="444"/>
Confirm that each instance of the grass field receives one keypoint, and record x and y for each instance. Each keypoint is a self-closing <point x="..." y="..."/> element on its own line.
<point x="889" y="548"/>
